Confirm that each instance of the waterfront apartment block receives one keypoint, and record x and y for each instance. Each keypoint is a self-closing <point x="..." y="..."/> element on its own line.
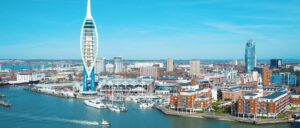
<point x="256" y="105"/>
<point x="191" y="98"/>
<point x="233" y="93"/>
<point x="295" y="100"/>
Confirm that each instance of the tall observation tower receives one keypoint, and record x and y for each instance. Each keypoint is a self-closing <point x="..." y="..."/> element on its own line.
<point x="89" y="50"/>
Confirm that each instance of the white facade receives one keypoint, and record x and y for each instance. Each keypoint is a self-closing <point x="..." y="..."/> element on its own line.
<point x="145" y="64"/>
<point x="297" y="68"/>
<point x="195" y="68"/>
<point x="109" y="68"/>
<point x="89" y="42"/>
<point x="100" y="65"/>
<point x="149" y="71"/>
<point x="162" y="92"/>
<point x="118" y="64"/>
<point x="170" y="65"/>
<point x="28" y="77"/>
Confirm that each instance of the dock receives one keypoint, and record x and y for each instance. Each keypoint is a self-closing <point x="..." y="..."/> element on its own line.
<point x="4" y="104"/>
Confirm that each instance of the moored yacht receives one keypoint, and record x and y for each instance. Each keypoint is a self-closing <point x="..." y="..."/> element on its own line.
<point x="146" y="105"/>
<point x="123" y="108"/>
<point x="95" y="103"/>
<point x="115" y="108"/>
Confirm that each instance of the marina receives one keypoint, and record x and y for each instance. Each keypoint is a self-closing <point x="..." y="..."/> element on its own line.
<point x="60" y="112"/>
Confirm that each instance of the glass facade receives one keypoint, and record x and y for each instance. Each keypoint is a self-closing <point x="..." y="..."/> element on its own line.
<point x="250" y="57"/>
<point x="275" y="63"/>
<point x="284" y="79"/>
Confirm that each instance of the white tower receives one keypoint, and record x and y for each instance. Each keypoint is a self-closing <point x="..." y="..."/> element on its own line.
<point x="89" y="48"/>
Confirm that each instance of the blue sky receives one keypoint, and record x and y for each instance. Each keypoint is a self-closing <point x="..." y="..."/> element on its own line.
<point x="151" y="29"/>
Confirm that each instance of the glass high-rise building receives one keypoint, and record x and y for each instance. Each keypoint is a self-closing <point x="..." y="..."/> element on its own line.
<point x="275" y="63"/>
<point x="250" y="57"/>
<point x="89" y="50"/>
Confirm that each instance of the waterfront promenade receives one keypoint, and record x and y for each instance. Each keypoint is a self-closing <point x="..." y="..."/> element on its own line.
<point x="223" y="117"/>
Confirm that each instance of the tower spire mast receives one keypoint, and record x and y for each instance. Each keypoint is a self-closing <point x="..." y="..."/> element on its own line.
<point x="88" y="10"/>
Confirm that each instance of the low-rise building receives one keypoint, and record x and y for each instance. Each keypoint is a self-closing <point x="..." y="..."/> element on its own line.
<point x="295" y="100"/>
<point x="256" y="105"/>
<point x="191" y="99"/>
<point x="233" y="93"/>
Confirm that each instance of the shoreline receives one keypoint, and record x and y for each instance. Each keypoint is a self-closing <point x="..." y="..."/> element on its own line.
<point x="169" y="112"/>
<point x="221" y="117"/>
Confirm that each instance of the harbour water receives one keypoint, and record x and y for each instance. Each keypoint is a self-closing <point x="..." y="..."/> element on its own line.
<point x="33" y="110"/>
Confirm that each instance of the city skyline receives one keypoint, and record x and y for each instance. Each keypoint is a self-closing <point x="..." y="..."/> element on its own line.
<point x="165" y="29"/>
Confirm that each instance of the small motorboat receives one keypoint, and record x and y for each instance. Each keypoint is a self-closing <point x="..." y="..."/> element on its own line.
<point x="104" y="123"/>
<point x="123" y="108"/>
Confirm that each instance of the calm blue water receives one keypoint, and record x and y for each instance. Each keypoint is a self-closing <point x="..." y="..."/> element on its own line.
<point x="32" y="110"/>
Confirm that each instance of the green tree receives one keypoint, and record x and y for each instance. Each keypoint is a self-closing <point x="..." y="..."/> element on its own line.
<point x="219" y="94"/>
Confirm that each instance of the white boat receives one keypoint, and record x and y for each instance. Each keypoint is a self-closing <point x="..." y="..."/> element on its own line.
<point x="104" y="123"/>
<point x="115" y="108"/>
<point x="95" y="103"/>
<point x="123" y="108"/>
<point x="146" y="105"/>
<point x="112" y="107"/>
<point x="109" y="105"/>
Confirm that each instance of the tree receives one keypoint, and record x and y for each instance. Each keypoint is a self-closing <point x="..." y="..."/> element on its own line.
<point x="219" y="94"/>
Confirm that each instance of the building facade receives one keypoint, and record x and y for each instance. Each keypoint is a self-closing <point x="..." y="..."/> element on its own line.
<point x="275" y="63"/>
<point x="233" y="93"/>
<point x="250" y="57"/>
<point x="266" y="75"/>
<point x="191" y="99"/>
<point x="256" y="105"/>
<point x="170" y="65"/>
<point x="195" y="68"/>
<point x="100" y="65"/>
<point x="149" y="71"/>
<point x="295" y="100"/>
<point x="118" y="64"/>
<point x="284" y="79"/>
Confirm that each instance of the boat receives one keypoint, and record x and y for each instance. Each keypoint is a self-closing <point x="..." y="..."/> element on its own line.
<point x="4" y="104"/>
<point x="114" y="108"/>
<point x="123" y="108"/>
<point x="95" y="103"/>
<point x="296" y="122"/>
<point x="104" y="123"/>
<point x="18" y="83"/>
<point x="2" y="96"/>
<point x="109" y="104"/>
<point x="146" y="105"/>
